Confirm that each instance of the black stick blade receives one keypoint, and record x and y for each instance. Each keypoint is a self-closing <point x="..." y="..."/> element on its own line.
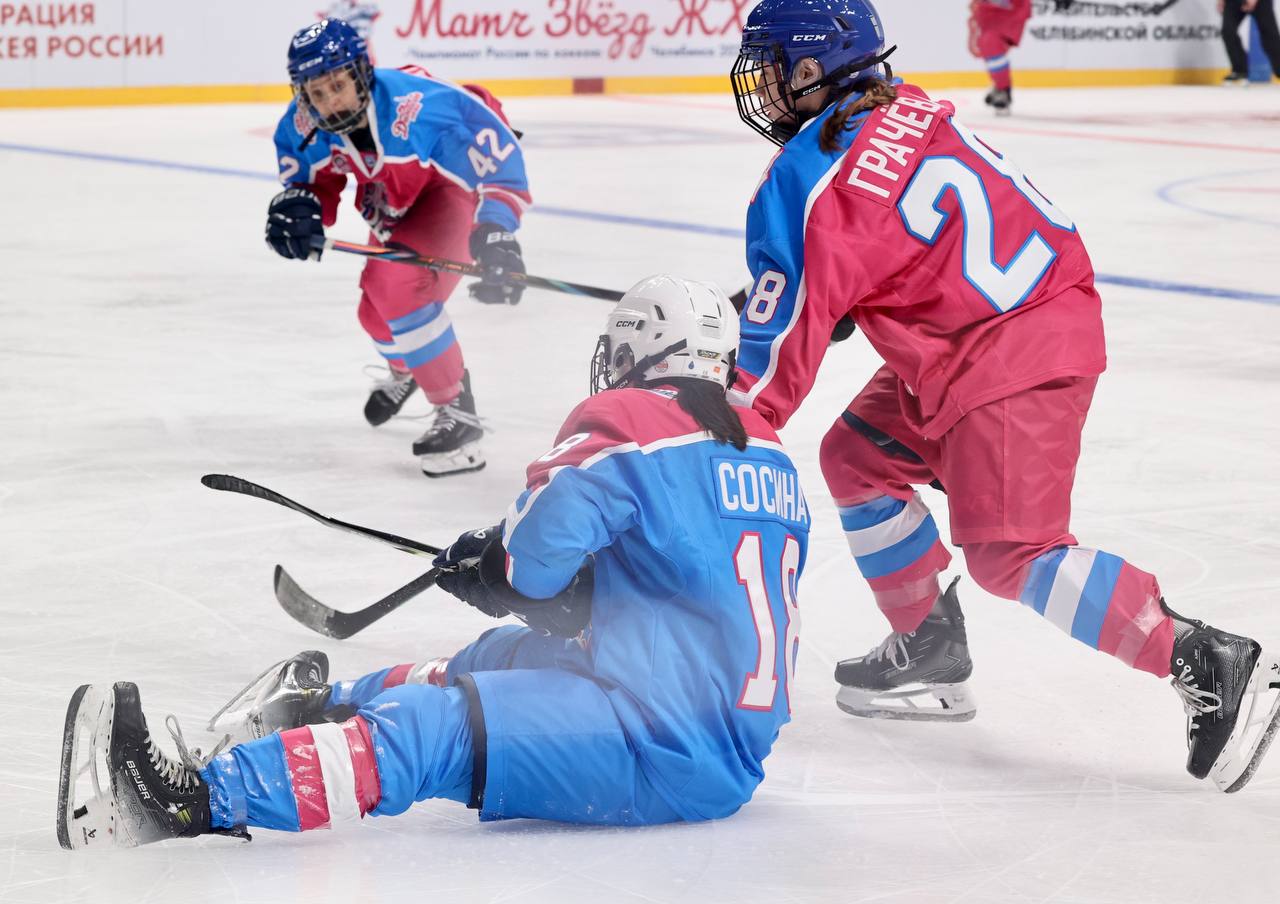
<point x="309" y="611"/>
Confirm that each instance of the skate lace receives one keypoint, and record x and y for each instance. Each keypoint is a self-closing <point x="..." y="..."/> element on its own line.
<point x="448" y="415"/>
<point x="387" y="381"/>
<point x="1196" y="701"/>
<point x="893" y="648"/>
<point x="182" y="773"/>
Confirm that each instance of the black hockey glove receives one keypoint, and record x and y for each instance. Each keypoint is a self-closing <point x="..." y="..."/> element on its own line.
<point x="497" y="253"/>
<point x="479" y="578"/>
<point x="460" y="570"/>
<point x="844" y="328"/>
<point x="294" y="217"/>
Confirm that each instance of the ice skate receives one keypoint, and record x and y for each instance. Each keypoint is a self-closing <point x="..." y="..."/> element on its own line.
<point x="388" y="397"/>
<point x="116" y="786"/>
<point x="289" y="694"/>
<point x="452" y="444"/>
<point x="919" y="676"/>
<point x="1000" y="100"/>
<point x="1231" y="691"/>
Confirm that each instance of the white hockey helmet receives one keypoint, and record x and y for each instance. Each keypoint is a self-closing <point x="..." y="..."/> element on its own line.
<point x="667" y="327"/>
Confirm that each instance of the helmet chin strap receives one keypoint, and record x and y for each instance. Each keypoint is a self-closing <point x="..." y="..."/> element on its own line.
<point x="637" y="370"/>
<point x="836" y="75"/>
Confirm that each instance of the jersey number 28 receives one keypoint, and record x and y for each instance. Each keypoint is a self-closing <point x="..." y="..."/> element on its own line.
<point x="761" y="686"/>
<point x="1003" y="287"/>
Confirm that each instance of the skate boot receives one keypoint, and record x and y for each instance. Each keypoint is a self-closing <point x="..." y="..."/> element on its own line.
<point x="1000" y="100"/>
<point x="919" y="676"/>
<point x="1231" y="692"/>
<point x="143" y="795"/>
<point x="452" y="444"/>
<point x="388" y="397"/>
<point x="288" y="695"/>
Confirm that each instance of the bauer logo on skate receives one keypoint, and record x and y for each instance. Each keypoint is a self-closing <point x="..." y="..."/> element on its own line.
<point x="886" y="149"/>
<point x="756" y="490"/>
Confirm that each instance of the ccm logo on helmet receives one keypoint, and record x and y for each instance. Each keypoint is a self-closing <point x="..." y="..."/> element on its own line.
<point x="623" y="324"/>
<point x="799" y="38"/>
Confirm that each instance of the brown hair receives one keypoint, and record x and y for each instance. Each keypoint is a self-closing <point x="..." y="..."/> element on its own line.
<point x="876" y="92"/>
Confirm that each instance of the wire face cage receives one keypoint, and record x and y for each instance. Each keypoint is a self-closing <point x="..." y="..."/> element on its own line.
<point x="759" y="88"/>
<point x="360" y="72"/>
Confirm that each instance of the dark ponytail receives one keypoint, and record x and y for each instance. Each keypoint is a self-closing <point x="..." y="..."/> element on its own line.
<point x="875" y="93"/>
<point x="704" y="401"/>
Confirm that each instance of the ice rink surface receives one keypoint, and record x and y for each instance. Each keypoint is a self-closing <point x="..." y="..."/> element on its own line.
<point x="148" y="337"/>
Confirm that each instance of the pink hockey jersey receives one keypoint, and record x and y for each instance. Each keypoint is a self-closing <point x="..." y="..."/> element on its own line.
<point x="428" y="134"/>
<point x="970" y="283"/>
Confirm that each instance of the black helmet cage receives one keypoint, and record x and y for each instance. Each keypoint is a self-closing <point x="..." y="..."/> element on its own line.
<point x="606" y="361"/>
<point x="341" y="123"/>
<point x="748" y="73"/>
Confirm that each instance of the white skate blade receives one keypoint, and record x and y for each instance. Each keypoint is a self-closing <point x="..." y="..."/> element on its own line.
<point x="241" y="719"/>
<point x="911" y="702"/>
<point x="466" y="457"/>
<point x="1255" y="729"/>
<point x="86" y="803"/>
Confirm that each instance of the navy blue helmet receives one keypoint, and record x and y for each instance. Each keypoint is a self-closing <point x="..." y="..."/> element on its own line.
<point x="331" y="46"/>
<point x="845" y="37"/>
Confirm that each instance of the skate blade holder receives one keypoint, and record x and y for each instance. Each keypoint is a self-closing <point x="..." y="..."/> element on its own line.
<point x="87" y="816"/>
<point x="911" y="702"/>
<point x="1256" y="727"/>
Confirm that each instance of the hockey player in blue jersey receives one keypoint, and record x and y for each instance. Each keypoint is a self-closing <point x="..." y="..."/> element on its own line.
<point x="437" y="168"/>
<point x="654" y="557"/>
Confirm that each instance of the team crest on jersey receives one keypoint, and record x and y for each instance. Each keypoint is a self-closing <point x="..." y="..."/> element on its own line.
<point x="408" y="107"/>
<point x="302" y="121"/>
<point x="340" y="163"/>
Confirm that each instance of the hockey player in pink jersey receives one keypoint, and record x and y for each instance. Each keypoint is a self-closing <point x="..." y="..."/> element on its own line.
<point x="978" y="293"/>
<point x="995" y="28"/>
<point x="437" y="168"/>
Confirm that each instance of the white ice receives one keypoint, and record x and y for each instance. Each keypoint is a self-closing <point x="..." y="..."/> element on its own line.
<point x="149" y="337"/>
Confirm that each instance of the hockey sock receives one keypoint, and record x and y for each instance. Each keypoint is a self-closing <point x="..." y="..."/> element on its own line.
<point x="296" y="780"/>
<point x="362" y="690"/>
<point x="896" y="546"/>
<point x="1000" y="72"/>
<point x="1103" y="601"/>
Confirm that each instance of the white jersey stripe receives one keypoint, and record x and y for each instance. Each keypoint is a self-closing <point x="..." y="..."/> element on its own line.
<point x="339" y="774"/>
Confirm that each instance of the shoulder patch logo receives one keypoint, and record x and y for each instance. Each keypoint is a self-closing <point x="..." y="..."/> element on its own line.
<point x="408" y="107"/>
<point x="302" y="121"/>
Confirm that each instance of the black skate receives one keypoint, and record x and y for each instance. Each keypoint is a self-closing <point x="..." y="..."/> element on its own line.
<point x="1231" y="692"/>
<point x="143" y="795"/>
<point x="918" y="676"/>
<point x="1000" y="100"/>
<point x="287" y="695"/>
<point x="452" y="444"/>
<point x="388" y="397"/>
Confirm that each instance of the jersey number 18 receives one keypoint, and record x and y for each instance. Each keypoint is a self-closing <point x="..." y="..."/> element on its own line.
<point x="761" y="686"/>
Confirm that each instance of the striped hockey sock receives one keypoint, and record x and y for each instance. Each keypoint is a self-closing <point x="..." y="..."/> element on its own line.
<point x="896" y="546"/>
<point x="1103" y="601"/>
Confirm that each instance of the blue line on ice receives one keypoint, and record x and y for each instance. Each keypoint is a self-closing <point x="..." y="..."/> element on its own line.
<point x="645" y="222"/>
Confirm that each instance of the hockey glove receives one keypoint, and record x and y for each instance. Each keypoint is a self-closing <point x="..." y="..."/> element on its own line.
<point x="844" y="328"/>
<point x="475" y="572"/>
<point x="294" y="217"/>
<point x="460" y="570"/>
<point x="497" y="253"/>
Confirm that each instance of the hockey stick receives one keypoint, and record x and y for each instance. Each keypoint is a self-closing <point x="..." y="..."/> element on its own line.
<point x="309" y="611"/>
<point x="230" y="484"/>
<point x="402" y="254"/>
